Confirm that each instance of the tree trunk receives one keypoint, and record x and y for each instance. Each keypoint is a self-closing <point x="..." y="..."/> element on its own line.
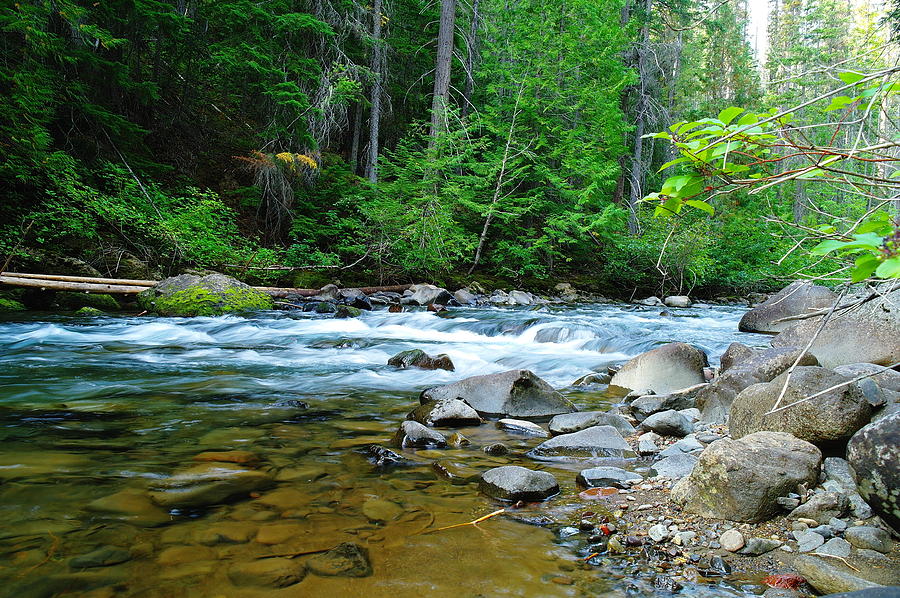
<point x="377" y="68"/>
<point x="636" y="175"/>
<point x="354" y="143"/>
<point x="471" y="47"/>
<point x="442" y="69"/>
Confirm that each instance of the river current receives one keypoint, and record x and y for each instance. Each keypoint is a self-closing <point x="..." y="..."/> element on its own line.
<point x="103" y="406"/>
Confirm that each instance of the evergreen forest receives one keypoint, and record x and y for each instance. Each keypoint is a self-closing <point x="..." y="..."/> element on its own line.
<point x="528" y="141"/>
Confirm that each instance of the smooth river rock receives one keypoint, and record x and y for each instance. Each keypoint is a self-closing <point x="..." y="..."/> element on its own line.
<point x="607" y="476"/>
<point x="664" y="369"/>
<point x="593" y="442"/>
<point x="796" y="299"/>
<point x="514" y="483"/>
<point x="412" y="434"/>
<point x="267" y="573"/>
<point x="580" y="420"/>
<point x="417" y="358"/>
<point x="668" y="423"/>
<point x="345" y="560"/>
<point x="445" y="413"/>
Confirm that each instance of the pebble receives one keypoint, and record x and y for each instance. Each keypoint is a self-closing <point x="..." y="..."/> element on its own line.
<point x="658" y="532"/>
<point x="732" y="540"/>
<point x="835" y="547"/>
<point x="838" y="525"/>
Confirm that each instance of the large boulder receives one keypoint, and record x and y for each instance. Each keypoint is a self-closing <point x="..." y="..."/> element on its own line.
<point x="741" y="480"/>
<point x="715" y="399"/>
<point x="874" y="455"/>
<point x="428" y="294"/>
<point x="514" y="483"/>
<point x="593" y="442"/>
<point x="797" y="299"/>
<point x="210" y="295"/>
<point x="831" y="417"/>
<point x="865" y="333"/>
<point x="515" y="393"/>
<point x="664" y="369"/>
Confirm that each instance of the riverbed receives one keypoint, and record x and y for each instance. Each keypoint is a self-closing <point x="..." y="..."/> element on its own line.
<point x="106" y="406"/>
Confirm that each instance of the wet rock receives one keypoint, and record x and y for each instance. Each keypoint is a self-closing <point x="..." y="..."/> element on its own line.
<point x="457" y="440"/>
<point x="827" y="578"/>
<point x="732" y="540"/>
<point x="665" y="369"/>
<point x="741" y="480"/>
<point x="516" y="393"/>
<point x="832" y="417"/>
<point x="520" y="298"/>
<point x="822" y="507"/>
<point x="713" y="565"/>
<point x="267" y="573"/>
<point x="239" y="457"/>
<point x="496" y="449"/>
<point x="414" y="435"/>
<point x="211" y="295"/>
<point x="377" y="509"/>
<point x="839" y="478"/>
<point x="101" y="557"/>
<point x="427" y="294"/>
<point x="763" y="366"/>
<point x="877" y="592"/>
<point x="651" y="301"/>
<point x="835" y="547"/>
<point x="522" y="427"/>
<point x="180" y="555"/>
<point x="347" y="311"/>
<point x="596" y="441"/>
<point x="645" y="406"/>
<point x="381" y="457"/>
<point x="798" y="298"/>
<point x="601" y="477"/>
<point x="416" y="358"/>
<point x="674" y="467"/>
<point x="668" y="423"/>
<point x="132" y="506"/>
<point x="329" y="292"/>
<point x="677" y="301"/>
<point x="278" y="533"/>
<point x="581" y="420"/>
<point x="207" y="484"/>
<point x="355" y="298"/>
<point x="760" y="546"/>
<point x="869" y="538"/>
<point x="445" y="413"/>
<point x="874" y="455"/>
<point x="593" y="378"/>
<point x="514" y="483"/>
<point x="464" y="297"/>
<point x="226" y="532"/>
<point x="647" y="444"/>
<point x="345" y="560"/>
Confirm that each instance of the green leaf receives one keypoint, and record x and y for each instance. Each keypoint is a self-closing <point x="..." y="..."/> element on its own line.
<point x="747" y="119"/>
<point x="864" y="241"/>
<point x="889" y="268"/>
<point x="839" y="103"/>
<point x="668" y="209"/>
<point x="850" y="77"/>
<point x="728" y="114"/>
<point x="865" y="266"/>
<point x="879" y="222"/>
<point x="701" y="205"/>
<point x="812" y="174"/>
<point x="673" y="163"/>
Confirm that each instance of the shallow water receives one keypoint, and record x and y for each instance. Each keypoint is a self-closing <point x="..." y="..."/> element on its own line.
<point x="93" y="407"/>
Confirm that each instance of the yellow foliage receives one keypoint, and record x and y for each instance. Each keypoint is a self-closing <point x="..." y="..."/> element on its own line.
<point x="292" y="160"/>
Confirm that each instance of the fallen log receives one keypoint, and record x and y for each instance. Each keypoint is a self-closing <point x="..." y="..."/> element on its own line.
<point x="78" y="287"/>
<point x="281" y="293"/>
<point x="89" y="279"/>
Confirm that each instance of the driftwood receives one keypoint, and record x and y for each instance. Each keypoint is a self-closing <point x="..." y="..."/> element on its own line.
<point x="89" y="284"/>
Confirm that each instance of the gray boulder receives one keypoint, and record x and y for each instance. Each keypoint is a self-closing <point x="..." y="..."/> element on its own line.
<point x="449" y="413"/>
<point x="876" y="592"/>
<point x="516" y="393"/>
<point x="829" y="418"/>
<point x="651" y="301"/>
<point x="869" y="537"/>
<point x="428" y="294"/>
<point x="593" y="378"/>
<point x="822" y="507"/>
<point x="734" y="354"/>
<point x="677" y="301"/>
<point x="520" y="298"/>
<point x="416" y="358"/>
<point x="668" y="423"/>
<point x="464" y="297"/>
<point x="685" y="398"/>
<point x="866" y="333"/>
<point x="412" y="434"/>
<point x="715" y="399"/>
<point x="514" y="483"/>
<point x="798" y="298"/>
<point x="827" y="578"/>
<point x="839" y="478"/>
<point x="664" y="369"/>
<point x="886" y="379"/>
<point x="874" y="455"/>
<point x="607" y="476"/>
<point x="674" y="467"/>
<point x="580" y="420"/>
<point x="593" y="442"/>
<point x="741" y="480"/>
<point x="211" y="295"/>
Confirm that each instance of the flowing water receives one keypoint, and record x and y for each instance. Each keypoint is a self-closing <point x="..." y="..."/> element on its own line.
<point x="93" y="411"/>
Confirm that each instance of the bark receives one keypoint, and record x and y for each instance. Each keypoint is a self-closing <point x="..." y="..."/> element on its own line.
<point x="636" y="175"/>
<point x="442" y="69"/>
<point x="472" y="45"/>
<point x="354" y="144"/>
<point x="377" y="69"/>
<point x="62" y="278"/>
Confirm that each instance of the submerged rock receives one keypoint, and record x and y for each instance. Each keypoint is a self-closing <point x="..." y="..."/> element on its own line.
<point x="101" y="557"/>
<point x="516" y="393"/>
<point x="874" y="454"/>
<point x="593" y="442"/>
<point x="665" y="369"/>
<point x="207" y="484"/>
<point x="211" y="295"/>
<point x="267" y="573"/>
<point x="132" y="506"/>
<point x="416" y="358"/>
<point x="514" y="483"/>
<point x="344" y="560"/>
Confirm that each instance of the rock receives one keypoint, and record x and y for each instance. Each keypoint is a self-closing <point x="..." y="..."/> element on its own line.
<point x="864" y="334"/>
<point x="580" y="420"/>
<point x="593" y="442"/>
<point x="226" y="532"/>
<point x="355" y="298"/>
<point x="267" y="573"/>
<point x="685" y="398"/>
<point x="329" y="293"/>
<point x="457" y="440"/>
<point x="566" y="291"/>
<point x="601" y="477"/>
<point x="874" y="455"/>
<point x="88" y="312"/>
<point x="522" y="427"/>
<point x="101" y="557"/>
<point x="181" y="555"/>
<point x="514" y="483"/>
<point x="668" y="423"/>
<point x="822" y="507"/>
<point x="427" y="294"/>
<point x="207" y="484"/>
<point x="447" y="413"/>
<point x="347" y="311"/>
<point x="869" y="538"/>
<point x="835" y="547"/>
<point x="132" y="506"/>
<point x="876" y="592"/>
<point x="416" y="358"/>
<point x="677" y="301"/>
<point x="240" y="457"/>
<point x="211" y="295"/>
<point x="658" y="532"/>
<point x="344" y="560"/>
<point x="464" y="297"/>
<point x="831" y="417"/>
<point x="515" y="393"/>
<point x="647" y="444"/>
<point x="827" y="578"/>
<point x="651" y="301"/>
<point x="839" y="478"/>
<point x="760" y="546"/>
<point x="715" y="399"/>
<point x="735" y="353"/>
<point x="886" y="379"/>
<point x="520" y="298"/>
<point x="732" y="540"/>
<point x="496" y="449"/>
<point x="664" y="369"/>
<point x="808" y="540"/>
<point x="741" y="480"/>
<point x="688" y="444"/>
<point x="674" y="467"/>
<point x="382" y="458"/>
<point x="414" y="435"/>
<point x="593" y="378"/>
<point x="378" y="509"/>
<point x="798" y="298"/>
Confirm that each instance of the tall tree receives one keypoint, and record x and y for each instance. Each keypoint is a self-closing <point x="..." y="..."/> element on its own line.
<point x="442" y="68"/>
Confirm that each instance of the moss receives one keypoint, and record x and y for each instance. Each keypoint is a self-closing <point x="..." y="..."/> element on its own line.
<point x="11" y="305"/>
<point x="200" y="301"/>
<point x="345" y="311"/>
<point x="89" y="311"/>
<point x="103" y="302"/>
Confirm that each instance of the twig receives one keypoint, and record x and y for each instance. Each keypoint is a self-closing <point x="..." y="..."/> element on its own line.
<point x="473" y="522"/>
<point x="840" y="558"/>
<point x="884" y="368"/>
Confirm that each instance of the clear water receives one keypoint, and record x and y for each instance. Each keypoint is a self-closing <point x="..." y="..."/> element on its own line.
<point x="91" y="407"/>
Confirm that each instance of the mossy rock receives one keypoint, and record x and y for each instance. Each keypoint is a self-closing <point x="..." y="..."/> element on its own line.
<point x="89" y="311"/>
<point x="211" y="295"/>
<point x="346" y="311"/>
<point x="99" y="301"/>
<point x="11" y="305"/>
